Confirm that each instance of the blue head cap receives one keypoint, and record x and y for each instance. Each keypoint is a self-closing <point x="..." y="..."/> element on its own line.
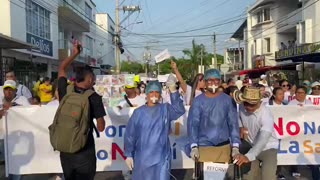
<point x="153" y="86"/>
<point x="212" y="73"/>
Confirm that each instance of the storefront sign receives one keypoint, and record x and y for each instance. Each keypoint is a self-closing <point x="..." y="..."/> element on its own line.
<point x="299" y="50"/>
<point x="44" y="45"/>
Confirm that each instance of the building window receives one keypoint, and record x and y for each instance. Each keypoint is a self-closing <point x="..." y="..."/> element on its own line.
<point x="259" y="17"/>
<point x="88" y="11"/>
<point x="89" y="46"/>
<point x="268" y="45"/>
<point x="37" y="20"/>
<point x="263" y="15"/>
<point x="266" y="14"/>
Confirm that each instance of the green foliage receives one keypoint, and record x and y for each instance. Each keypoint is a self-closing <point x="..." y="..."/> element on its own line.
<point x="188" y="67"/>
<point x="131" y="67"/>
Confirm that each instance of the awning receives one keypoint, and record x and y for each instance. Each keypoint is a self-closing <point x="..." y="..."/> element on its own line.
<point x="239" y="33"/>
<point x="314" y="58"/>
<point x="7" y="42"/>
<point x="291" y="66"/>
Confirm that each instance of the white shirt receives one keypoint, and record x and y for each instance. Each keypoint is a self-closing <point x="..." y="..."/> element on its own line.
<point x="296" y="102"/>
<point x="262" y="119"/>
<point x="136" y="102"/>
<point x="187" y="97"/>
<point x="286" y="97"/>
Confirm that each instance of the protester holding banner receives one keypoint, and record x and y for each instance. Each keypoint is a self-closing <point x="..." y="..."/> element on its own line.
<point x="315" y="86"/>
<point x="146" y="141"/>
<point x="197" y="88"/>
<point x="300" y="98"/>
<point x="277" y="98"/>
<point x="131" y="98"/>
<point x="286" y="88"/>
<point x="213" y="124"/>
<point x="11" y="99"/>
<point x="81" y="164"/>
<point x="256" y="124"/>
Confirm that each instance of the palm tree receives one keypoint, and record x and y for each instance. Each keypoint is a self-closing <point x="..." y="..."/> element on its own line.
<point x="195" y="54"/>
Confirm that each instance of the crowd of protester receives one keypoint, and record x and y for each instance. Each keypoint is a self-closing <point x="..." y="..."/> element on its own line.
<point x="240" y="101"/>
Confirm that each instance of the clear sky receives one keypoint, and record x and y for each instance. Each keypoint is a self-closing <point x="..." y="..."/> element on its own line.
<point x="198" y="17"/>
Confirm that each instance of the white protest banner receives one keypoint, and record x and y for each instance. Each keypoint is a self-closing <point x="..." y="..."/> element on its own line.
<point x="298" y="129"/>
<point x="162" y="56"/>
<point x="315" y="99"/>
<point x="28" y="149"/>
<point x="214" y="171"/>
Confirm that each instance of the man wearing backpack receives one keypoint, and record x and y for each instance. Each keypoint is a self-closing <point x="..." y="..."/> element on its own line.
<point x="71" y="133"/>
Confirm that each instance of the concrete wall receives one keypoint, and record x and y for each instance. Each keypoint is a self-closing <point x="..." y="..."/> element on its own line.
<point x="104" y="45"/>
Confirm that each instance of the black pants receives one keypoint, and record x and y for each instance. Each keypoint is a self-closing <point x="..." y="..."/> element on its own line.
<point x="79" y="166"/>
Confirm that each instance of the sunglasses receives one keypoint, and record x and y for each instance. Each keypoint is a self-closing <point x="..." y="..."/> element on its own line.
<point x="316" y="88"/>
<point x="285" y="85"/>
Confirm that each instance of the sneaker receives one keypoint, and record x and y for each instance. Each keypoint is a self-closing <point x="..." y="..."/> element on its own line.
<point x="296" y="175"/>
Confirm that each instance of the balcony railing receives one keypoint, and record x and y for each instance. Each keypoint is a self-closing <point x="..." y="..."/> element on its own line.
<point x="76" y="8"/>
<point x="298" y="51"/>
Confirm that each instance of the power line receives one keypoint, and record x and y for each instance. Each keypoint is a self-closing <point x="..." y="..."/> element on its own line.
<point x="192" y="30"/>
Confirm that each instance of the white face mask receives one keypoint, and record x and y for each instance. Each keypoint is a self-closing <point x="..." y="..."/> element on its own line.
<point x="154" y="100"/>
<point x="212" y="88"/>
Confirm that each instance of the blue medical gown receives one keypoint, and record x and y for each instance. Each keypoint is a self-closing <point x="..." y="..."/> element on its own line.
<point x="212" y="121"/>
<point x="147" y="139"/>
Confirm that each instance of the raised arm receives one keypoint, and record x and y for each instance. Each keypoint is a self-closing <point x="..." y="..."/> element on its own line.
<point x="183" y="84"/>
<point x="176" y="108"/>
<point x="66" y="62"/>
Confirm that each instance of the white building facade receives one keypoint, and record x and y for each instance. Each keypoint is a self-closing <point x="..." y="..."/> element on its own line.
<point x="271" y="25"/>
<point x="52" y="26"/>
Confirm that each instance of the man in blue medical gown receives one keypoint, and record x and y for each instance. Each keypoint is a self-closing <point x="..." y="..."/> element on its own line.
<point x="146" y="141"/>
<point x="213" y="128"/>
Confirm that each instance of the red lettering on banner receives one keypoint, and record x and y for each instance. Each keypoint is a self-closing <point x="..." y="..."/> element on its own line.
<point x="316" y="101"/>
<point x="279" y="127"/>
<point x="114" y="149"/>
<point x="297" y="128"/>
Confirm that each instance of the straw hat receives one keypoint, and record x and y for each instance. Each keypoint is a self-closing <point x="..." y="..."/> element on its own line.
<point x="250" y="95"/>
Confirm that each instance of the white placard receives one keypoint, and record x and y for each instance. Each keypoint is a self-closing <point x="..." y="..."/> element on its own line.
<point x="162" y="56"/>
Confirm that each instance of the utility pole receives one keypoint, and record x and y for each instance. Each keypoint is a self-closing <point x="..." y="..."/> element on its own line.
<point x="147" y="58"/>
<point x="130" y="9"/>
<point x="215" y="51"/>
<point x="117" y="40"/>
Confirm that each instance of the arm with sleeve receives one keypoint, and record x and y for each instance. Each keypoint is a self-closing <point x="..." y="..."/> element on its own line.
<point x="26" y="92"/>
<point x="176" y="108"/>
<point x="130" y="136"/>
<point x="263" y="136"/>
<point x="233" y="124"/>
<point x="193" y="123"/>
